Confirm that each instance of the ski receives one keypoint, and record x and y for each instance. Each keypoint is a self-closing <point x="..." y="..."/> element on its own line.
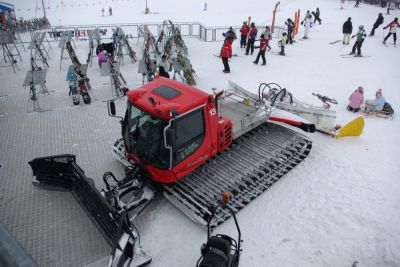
<point x="335" y="42"/>
<point x="351" y="56"/>
<point x="234" y="55"/>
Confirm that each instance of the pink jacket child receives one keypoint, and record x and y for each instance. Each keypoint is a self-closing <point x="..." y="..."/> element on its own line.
<point x="356" y="99"/>
<point x="102" y="57"/>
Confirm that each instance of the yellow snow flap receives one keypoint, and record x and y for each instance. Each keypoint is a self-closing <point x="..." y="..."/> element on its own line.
<point x="353" y="128"/>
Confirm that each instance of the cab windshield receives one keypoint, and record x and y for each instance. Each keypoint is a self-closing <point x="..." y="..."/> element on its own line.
<point x="144" y="135"/>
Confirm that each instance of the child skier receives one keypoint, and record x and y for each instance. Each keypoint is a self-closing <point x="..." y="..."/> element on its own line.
<point x="230" y="35"/>
<point x="360" y="35"/>
<point x="226" y="53"/>
<point x="102" y="58"/>
<point x="356" y="100"/>
<point x="263" y="47"/>
<point x="375" y="105"/>
<point x="244" y="31"/>
<point x="251" y="38"/>
<point x="347" y="31"/>
<point x="378" y="22"/>
<point x="392" y="30"/>
<point x="282" y="43"/>
<point x="268" y="35"/>
<point x="102" y="12"/>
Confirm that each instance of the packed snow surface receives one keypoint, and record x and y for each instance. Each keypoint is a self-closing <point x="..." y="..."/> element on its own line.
<point x="338" y="206"/>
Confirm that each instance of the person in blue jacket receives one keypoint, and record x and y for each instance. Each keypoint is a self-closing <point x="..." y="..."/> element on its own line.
<point x="376" y="104"/>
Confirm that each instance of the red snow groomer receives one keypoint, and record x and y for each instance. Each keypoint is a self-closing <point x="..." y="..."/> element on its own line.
<point x="190" y="146"/>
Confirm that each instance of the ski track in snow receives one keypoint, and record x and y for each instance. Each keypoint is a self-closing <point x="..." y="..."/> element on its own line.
<point x="338" y="206"/>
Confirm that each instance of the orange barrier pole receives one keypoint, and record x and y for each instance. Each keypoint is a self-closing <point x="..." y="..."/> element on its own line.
<point x="248" y="21"/>
<point x="273" y="21"/>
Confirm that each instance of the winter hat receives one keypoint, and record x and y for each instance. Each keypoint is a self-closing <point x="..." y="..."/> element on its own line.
<point x="349" y="19"/>
<point x="262" y="36"/>
<point x="379" y="92"/>
<point x="360" y="89"/>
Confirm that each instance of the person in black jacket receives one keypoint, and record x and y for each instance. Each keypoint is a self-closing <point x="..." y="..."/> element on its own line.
<point x="347" y="30"/>
<point x="290" y="25"/>
<point x="378" y="22"/>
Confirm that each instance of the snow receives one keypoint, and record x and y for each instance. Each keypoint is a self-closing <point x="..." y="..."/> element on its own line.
<point x="342" y="203"/>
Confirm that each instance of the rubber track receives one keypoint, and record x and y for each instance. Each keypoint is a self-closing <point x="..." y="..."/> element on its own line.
<point x="253" y="163"/>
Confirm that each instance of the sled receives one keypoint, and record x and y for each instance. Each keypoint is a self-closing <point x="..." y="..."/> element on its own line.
<point x="352" y="128"/>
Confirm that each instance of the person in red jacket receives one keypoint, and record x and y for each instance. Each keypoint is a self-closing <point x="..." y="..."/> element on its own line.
<point x="226" y="53"/>
<point x="392" y="30"/>
<point x="244" y="31"/>
<point x="263" y="47"/>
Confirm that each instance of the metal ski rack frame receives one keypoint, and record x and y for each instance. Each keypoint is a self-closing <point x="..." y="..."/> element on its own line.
<point x="32" y="79"/>
<point x="91" y="48"/>
<point x="37" y="44"/>
<point x="129" y="51"/>
<point x="147" y="67"/>
<point x="112" y="69"/>
<point x="7" y="43"/>
<point x="66" y="36"/>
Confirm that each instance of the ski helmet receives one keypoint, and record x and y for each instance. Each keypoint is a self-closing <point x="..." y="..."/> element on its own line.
<point x="284" y="33"/>
<point x="361" y="27"/>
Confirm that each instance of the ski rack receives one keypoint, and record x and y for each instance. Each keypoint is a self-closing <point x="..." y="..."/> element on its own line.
<point x="62" y="173"/>
<point x="183" y="68"/>
<point x="7" y="44"/>
<point x="147" y="67"/>
<point x="172" y="41"/>
<point x="129" y="51"/>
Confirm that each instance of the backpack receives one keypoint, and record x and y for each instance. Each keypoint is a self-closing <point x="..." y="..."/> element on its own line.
<point x="387" y="108"/>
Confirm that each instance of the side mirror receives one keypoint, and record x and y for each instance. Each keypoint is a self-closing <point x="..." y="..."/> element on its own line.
<point x="170" y="137"/>
<point x="111" y="108"/>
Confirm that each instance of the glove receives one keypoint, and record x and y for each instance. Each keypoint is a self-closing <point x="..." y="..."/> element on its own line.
<point x="384" y="28"/>
<point x="352" y="36"/>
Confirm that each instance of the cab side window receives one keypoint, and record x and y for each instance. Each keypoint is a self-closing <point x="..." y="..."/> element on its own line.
<point x="189" y="134"/>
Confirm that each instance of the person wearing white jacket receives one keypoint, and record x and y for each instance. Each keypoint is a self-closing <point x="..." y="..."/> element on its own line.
<point x="307" y="26"/>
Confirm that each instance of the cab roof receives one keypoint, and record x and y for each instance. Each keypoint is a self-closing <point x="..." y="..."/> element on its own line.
<point x="163" y="95"/>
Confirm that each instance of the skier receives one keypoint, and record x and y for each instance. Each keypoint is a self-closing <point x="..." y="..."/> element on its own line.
<point x="316" y="16"/>
<point x="378" y="22"/>
<point x="226" y="53"/>
<point x="244" y="31"/>
<point x="347" y="31"/>
<point x="356" y="100"/>
<point x="282" y="43"/>
<point x="165" y="63"/>
<point x="341" y="4"/>
<point x="267" y="35"/>
<point x="263" y="47"/>
<point x="102" y="58"/>
<point x="110" y="11"/>
<point x="388" y="7"/>
<point x="375" y="105"/>
<point x="162" y="72"/>
<point x="306" y="17"/>
<point x="360" y="35"/>
<point x="289" y="24"/>
<point x="102" y="12"/>
<point x="392" y="30"/>
<point x="230" y="35"/>
<point x="251" y="38"/>
<point x="205" y="6"/>
<point x="307" y="26"/>
<point x="357" y="3"/>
